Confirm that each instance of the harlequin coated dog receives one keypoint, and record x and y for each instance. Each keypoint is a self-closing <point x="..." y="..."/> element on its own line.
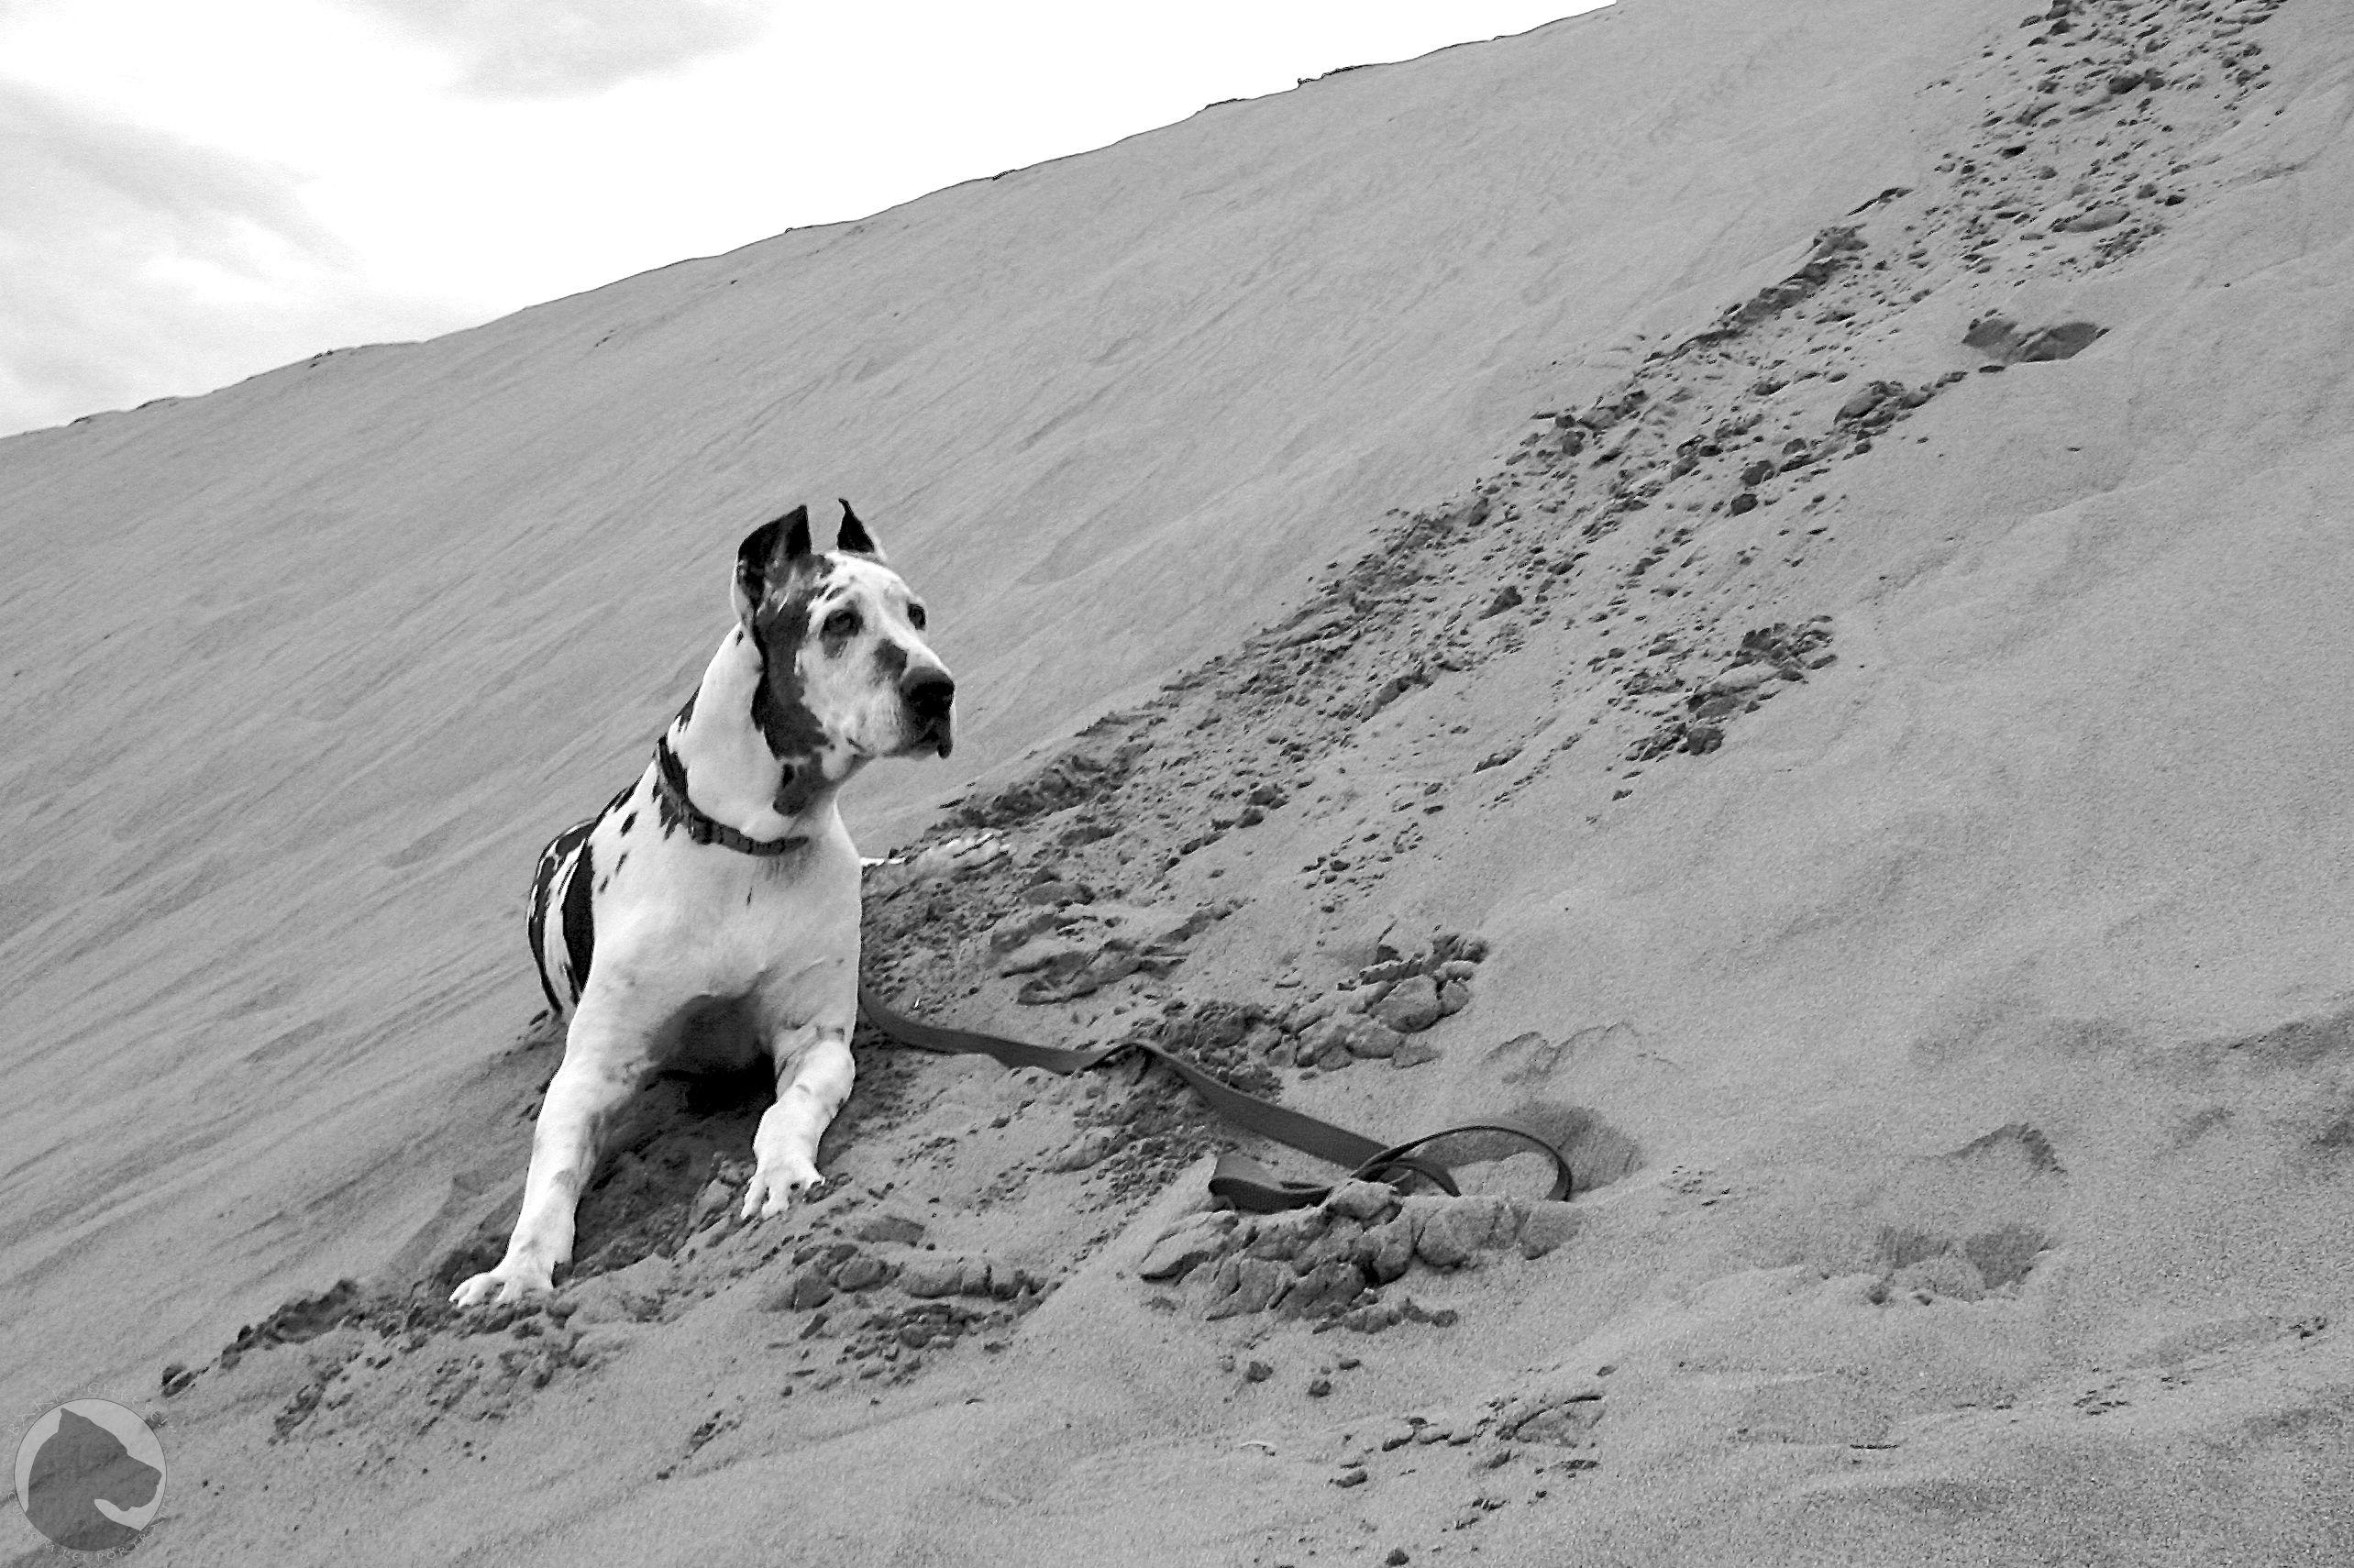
<point x="709" y="915"/>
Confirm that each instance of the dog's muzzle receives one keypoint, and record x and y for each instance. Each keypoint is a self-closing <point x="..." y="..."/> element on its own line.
<point x="930" y="696"/>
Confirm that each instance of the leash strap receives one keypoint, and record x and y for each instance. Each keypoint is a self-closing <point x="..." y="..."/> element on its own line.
<point x="1238" y="1179"/>
<point x="671" y="784"/>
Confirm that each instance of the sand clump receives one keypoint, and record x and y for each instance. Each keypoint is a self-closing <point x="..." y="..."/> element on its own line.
<point x="1334" y="1262"/>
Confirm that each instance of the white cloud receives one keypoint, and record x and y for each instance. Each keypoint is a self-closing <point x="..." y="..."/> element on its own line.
<point x="140" y="263"/>
<point x="56" y="159"/>
<point x="537" y="48"/>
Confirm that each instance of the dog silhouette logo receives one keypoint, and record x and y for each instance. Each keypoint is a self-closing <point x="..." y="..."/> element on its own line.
<point x="90" y="1475"/>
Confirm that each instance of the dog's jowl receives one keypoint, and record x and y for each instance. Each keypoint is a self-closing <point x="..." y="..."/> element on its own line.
<point x="723" y="879"/>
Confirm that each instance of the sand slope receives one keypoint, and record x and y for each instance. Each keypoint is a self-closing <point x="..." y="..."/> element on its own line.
<point x="1899" y="799"/>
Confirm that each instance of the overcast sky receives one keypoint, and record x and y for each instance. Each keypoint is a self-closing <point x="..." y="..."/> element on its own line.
<point x="192" y="191"/>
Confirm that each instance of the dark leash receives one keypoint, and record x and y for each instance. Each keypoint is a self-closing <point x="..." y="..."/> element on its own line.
<point x="1238" y="1179"/>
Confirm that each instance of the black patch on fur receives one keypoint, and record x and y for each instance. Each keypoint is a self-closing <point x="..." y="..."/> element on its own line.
<point x="667" y="809"/>
<point x="552" y="861"/>
<point x="627" y="822"/>
<point x="580" y="925"/>
<point x="802" y="783"/>
<point x="688" y="711"/>
<point x="568" y="851"/>
<point x="890" y="663"/>
<point x="795" y="738"/>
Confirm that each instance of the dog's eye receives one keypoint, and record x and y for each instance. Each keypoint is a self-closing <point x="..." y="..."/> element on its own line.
<point x="842" y="624"/>
<point x="915" y="616"/>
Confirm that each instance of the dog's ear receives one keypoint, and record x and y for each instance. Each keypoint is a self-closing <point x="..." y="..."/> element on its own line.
<point x="854" y="539"/>
<point x="765" y="557"/>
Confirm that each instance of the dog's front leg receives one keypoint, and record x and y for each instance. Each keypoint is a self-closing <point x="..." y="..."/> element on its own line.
<point x="606" y="1057"/>
<point x="814" y="1071"/>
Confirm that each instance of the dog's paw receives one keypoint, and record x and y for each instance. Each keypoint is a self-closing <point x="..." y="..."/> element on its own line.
<point x="778" y="1185"/>
<point x="503" y="1285"/>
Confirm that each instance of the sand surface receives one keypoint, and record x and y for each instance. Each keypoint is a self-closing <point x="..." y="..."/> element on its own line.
<point x="1785" y="565"/>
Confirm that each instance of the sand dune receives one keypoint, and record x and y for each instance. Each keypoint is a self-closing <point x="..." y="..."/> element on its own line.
<point x="1762" y="583"/>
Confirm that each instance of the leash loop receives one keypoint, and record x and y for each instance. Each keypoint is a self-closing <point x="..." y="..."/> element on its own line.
<point x="1237" y="1178"/>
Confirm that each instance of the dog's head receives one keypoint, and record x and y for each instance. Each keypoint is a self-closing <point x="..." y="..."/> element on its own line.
<point x="846" y="674"/>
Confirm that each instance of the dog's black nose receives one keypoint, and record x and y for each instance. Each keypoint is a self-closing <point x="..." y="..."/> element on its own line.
<point x="928" y="693"/>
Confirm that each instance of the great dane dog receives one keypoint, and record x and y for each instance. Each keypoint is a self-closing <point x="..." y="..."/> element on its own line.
<point x="718" y="895"/>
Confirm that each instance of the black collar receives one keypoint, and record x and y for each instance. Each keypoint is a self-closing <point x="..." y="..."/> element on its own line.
<point x="671" y="788"/>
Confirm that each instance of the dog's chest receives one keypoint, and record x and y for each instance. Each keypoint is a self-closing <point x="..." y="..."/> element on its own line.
<point x="724" y="923"/>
